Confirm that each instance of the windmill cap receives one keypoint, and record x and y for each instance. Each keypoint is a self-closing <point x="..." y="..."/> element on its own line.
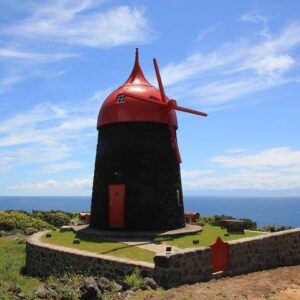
<point x="136" y="100"/>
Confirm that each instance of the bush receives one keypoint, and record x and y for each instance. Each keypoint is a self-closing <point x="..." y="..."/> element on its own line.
<point x="135" y="279"/>
<point x="55" y="218"/>
<point x="216" y="221"/>
<point x="249" y="224"/>
<point x="275" y="228"/>
<point x="16" y="220"/>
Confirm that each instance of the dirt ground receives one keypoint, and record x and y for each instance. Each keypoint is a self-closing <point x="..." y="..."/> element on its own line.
<point x="281" y="283"/>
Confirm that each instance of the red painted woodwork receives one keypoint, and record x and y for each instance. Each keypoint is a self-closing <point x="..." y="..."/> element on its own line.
<point x="142" y="102"/>
<point x="116" y="194"/>
<point x="134" y="110"/>
<point x="220" y="255"/>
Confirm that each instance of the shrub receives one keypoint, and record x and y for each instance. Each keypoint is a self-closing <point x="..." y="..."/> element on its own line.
<point x="55" y="218"/>
<point x="16" y="220"/>
<point x="275" y="228"/>
<point x="216" y="221"/>
<point x="134" y="280"/>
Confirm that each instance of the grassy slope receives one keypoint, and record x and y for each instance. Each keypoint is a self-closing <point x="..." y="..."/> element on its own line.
<point x="12" y="259"/>
<point x="207" y="237"/>
<point x="97" y="245"/>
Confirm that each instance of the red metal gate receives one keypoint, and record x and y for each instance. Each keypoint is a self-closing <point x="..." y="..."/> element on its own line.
<point x="220" y="255"/>
<point x="116" y="194"/>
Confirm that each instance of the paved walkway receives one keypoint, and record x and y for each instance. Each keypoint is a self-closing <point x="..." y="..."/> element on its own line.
<point x="123" y="234"/>
<point x="141" y="239"/>
<point x="146" y="244"/>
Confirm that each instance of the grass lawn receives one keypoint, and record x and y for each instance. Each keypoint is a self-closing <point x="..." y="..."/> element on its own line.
<point x="206" y="238"/>
<point x="95" y="244"/>
<point x="12" y="260"/>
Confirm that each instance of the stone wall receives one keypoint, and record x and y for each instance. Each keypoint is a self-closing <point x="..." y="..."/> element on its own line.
<point x="264" y="252"/>
<point x="45" y="259"/>
<point x="186" y="266"/>
<point x="169" y="270"/>
<point x="245" y="255"/>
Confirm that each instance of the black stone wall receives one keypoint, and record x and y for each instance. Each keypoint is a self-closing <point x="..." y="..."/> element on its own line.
<point x="139" y="155"/>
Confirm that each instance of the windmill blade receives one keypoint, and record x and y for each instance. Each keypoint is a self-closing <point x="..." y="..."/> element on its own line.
<point x="191" y="111"/>
<point x="169" y="106"/>
<point x="142" y="98"/>
<point x="161" y="87"/>
<point x="174" y="140"/>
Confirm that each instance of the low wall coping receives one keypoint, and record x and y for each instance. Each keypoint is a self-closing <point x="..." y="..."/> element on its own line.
<point x="35" y="241"/>
<point x="182" y="251"/>
<point x="264" y="236"/>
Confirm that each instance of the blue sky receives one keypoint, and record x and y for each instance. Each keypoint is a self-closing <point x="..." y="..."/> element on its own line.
<point x="236" y="60"/>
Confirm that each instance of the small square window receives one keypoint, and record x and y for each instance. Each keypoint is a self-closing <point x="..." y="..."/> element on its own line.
<point x="121" y="99"/>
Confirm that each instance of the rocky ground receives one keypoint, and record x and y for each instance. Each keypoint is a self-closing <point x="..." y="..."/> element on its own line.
<point x="281" y="283"/>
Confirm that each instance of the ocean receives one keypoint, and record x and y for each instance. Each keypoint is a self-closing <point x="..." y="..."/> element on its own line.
<point x="263" y="210"/>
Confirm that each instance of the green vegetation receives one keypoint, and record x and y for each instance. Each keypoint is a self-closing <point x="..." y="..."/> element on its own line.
<point x="12" y="261"/>
<point x="215" y="221"/>
<point x="135" y="279"/>
<point x="13" y="221"/>
<point x="97" y="245"/>
<point x="67" y="287"/>
<point x="207" y="237"/>
<point x="21" y="221"/>
<point x="55" y="218"/>
<point x="275" y="228"/>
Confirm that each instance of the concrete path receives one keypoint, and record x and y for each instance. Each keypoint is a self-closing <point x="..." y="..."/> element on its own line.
<point x="147" y="245"/>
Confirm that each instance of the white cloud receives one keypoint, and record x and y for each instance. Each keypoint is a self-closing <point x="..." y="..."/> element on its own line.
<point x="225" y="90"/>
<point x="269" y="169"/>
<point x="54" y="186"/>
<point x="257" y="19"/>
<point x="236" y="150"/>
<point x="42" y="153"/>
<point x="46" y="134"/>
<point x="51" y="28"/>
<point x="245" y="180"/>
<point x="204" y="32"/>
<point x="35" y="56"/>
<point x="81" y="23"/>
<point x="274" y="157"/>
<point x="236" y="69"/>
<point x="254" y="18"/>
<point x="48" y="124"/>
<point x="190" y="67"/>
<point x="272" y="64"/>
<point x="195" y="173"/>
<point x="20" y="65"/>
<point x="63" y="166"/>
<point x="5" y="163"/>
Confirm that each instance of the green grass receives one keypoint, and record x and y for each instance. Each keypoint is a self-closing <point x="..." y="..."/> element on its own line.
<point x="12" y="260"/>
<point x="97" y="245"/>
<point x="207" y="237"/>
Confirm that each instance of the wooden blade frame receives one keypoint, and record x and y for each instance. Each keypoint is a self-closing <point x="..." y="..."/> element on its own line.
<point x="168" y="105"/>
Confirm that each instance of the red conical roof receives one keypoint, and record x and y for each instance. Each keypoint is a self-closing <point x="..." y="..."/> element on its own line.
<point x="135" y="101"/>
<point x="136" y="76"/>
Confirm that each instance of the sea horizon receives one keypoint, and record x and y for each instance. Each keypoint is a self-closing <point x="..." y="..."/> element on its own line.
<point x="264" y="210"/>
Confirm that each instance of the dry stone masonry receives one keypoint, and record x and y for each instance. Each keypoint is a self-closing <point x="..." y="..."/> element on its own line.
<point x="169" y="270"/>
<point x="45" y="259"/>
<point x="186" y="266"/>
<point x="264" y="252"/>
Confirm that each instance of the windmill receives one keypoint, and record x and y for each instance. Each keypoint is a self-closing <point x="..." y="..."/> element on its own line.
<point x="137" y="181"/>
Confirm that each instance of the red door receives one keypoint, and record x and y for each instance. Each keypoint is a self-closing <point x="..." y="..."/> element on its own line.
<point x="220" y="255"/>
<point x="116" y="195"/>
